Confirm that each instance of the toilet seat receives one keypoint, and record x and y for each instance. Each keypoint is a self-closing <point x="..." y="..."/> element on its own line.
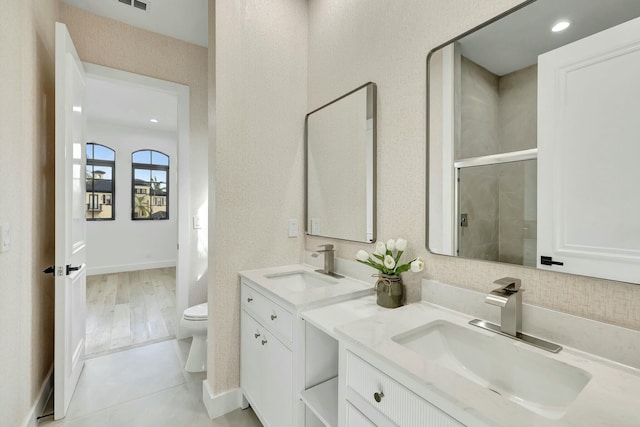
<point x="197" y="312"/>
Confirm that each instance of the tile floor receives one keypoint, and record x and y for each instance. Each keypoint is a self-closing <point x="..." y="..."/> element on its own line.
<point x="143" y="387"/>
<point x="130" y="308"/>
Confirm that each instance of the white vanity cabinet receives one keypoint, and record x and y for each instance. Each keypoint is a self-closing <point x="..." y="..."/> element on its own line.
<point x="288" y="367"/>
<point x="266" y="358"/>
<point x="372" y="398"/>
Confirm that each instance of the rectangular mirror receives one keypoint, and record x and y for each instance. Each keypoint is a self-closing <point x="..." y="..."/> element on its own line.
<point x="532" y="139"/>
<point x="340" y="163"/>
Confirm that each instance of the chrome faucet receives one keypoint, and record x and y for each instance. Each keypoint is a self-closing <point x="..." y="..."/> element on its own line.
<point x="329" y="253"/>
<point x="509" y="298"/>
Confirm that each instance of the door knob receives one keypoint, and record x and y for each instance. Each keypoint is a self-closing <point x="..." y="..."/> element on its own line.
<point x="249" y="299"/>
<point x="274" y="317"/>
<point x="378" y="396"/>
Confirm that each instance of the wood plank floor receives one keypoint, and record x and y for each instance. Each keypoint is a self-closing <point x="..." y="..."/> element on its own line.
<point x="131" y="308"/>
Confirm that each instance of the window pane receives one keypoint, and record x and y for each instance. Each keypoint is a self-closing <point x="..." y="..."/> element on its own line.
<point x="150" y="190"/>
<point x="158" y="158"/>
<point x="89" y="177"/>
<point x="99" y="182"/>
<point x="143" y="156"/>
<point x="159" y="176"/>
<point x="142" y="175"/>
<point x="100" y="152"/>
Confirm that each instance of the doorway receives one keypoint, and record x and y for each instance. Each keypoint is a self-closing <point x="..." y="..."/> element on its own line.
<point x="136" y="255"/>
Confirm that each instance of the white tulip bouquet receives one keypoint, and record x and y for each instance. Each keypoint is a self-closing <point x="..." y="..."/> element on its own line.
<point x="386" y="258"/>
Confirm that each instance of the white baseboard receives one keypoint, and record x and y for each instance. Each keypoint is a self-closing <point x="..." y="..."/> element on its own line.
<point x="220" y="404"/>
<point x="108" y="269"/>
<point x="43" y="397"/>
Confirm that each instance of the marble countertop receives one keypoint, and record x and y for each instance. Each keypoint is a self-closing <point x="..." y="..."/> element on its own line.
<point x="610" y="398"/>
<point x="345" y="288"/>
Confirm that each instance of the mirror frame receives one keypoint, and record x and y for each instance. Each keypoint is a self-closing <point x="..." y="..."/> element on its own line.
<point x="428" y="119"/>
<point x="374" y="201"/>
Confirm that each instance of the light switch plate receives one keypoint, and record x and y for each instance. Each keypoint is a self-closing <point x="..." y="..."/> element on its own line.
<point x="196" y="222"/>
<point x="5" y="237"/>
<point x="293" y="227"/>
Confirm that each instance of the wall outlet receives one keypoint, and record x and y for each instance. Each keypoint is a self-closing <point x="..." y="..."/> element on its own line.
<point x="197" y="224"/>
<point x="293" y="227"/>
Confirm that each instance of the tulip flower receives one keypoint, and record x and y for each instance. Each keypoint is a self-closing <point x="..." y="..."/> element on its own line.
<point x="417" y="265"/>
<point x="362" y="256"/>
<point x="389" y="262"/>
<point x="391" y="245"/>
<point x="386" y="258"/>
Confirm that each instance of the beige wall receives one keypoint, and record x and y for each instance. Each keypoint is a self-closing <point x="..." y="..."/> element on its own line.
<point x="26" y="195"/>
<point x="387" y="43"/>
<point x="257" y="114"/>
<point x="116" y="45"/>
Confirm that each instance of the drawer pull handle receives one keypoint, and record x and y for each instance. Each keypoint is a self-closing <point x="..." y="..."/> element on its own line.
<point x="249" y="299"/>
<point x="378" y="396"/>
<point x="264" y="342"/>
<point x="274" y="317"/>
<point x="256" y="335"/>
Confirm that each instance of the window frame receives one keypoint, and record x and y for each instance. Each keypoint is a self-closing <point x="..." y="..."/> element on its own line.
<point x="106" y="163"/>
<point x="150" y="167"/>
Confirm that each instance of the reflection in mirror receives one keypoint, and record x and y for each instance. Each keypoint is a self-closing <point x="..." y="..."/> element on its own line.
<point x="340" y="167"/>
<point x="497" y="204"/>
<point x="493" y="139"/>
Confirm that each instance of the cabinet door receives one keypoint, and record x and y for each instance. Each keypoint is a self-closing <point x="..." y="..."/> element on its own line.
<point x="279" y="383"/>
<point x="251" y="334"/>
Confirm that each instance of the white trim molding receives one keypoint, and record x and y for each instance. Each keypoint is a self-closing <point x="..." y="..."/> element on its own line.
<point x="41" y="402"/>
<point x="109" y="269"/>
<point x="221" y="404"/>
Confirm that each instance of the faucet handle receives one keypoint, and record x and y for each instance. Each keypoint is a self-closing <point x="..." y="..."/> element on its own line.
<point x="509" y="284"/>
<point x="326" y="247"/>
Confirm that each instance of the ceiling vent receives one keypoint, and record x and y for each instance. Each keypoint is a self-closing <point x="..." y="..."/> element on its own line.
<point x="142" y="5"/>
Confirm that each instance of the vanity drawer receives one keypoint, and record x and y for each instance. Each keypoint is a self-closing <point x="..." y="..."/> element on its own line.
<point x="397" y="403"/>
<point x="270" y="314"/>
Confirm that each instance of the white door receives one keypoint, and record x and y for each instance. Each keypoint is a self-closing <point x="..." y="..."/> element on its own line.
<point x="70" y="269"/>
<point x="588" y="154"/>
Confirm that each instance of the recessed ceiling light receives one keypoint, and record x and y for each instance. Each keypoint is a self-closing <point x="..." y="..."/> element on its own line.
<point x="154" y="120"/>
<point x="560" y="26"/>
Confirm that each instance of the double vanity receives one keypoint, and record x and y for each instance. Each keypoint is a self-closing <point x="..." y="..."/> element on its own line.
<point x="316" y="351"/>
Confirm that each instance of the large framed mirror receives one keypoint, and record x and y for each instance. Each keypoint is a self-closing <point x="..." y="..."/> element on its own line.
<point x="533" y="139"/>
<point x="340" y="163"/>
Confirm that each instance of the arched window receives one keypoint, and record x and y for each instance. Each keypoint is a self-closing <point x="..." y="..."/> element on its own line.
<point x="150" y="185"/>
<point x="100" y="177"/>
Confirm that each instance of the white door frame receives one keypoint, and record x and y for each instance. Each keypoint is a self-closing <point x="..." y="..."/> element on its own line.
<point x="182" y="94"/>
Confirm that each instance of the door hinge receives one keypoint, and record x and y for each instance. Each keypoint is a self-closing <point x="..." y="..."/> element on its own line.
<point x="547" y="260"/>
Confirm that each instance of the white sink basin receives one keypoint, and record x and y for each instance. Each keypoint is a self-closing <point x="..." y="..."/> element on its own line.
<point x="537" y="382"/>
<point x="301" y="280"/>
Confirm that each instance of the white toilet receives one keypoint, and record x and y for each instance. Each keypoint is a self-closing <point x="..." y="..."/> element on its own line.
<point x="194" y="322"/>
